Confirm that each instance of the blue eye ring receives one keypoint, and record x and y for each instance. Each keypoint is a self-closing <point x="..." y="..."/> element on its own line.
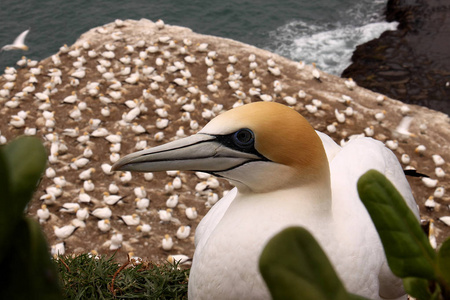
<point x="244" y="138"/>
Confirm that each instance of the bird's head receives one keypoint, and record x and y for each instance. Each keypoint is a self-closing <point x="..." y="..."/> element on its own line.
<point x="258" y="147"/>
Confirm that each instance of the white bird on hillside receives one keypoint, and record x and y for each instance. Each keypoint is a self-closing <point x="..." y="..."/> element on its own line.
<point x="102" y="213"/>
<point x="314" y="187"/>
<point x="167" y="243"/>
<point x="43" y="213"/>
<point x="131" y="220"/>
<point x="142" y="203"/>
<point x="111" y="199"/>
<point x="183" y="232"/>
<point x="64" y="232"/>
<point x="104" y="225"/>
<point x="18" y="44"/>
<point x="165" y="215"/>
<point x="403" y="127"/>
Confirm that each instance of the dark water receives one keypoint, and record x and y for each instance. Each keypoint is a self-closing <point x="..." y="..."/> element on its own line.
<point x="323" y="31"/>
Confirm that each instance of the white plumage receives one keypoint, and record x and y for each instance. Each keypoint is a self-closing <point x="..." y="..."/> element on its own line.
<point x="285" y="174"/>
<point x="18" y="44"/>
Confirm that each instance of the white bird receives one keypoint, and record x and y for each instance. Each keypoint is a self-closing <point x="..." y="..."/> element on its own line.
<point x="142" y="203"/>
<point x="392" y="144"/>
<point x="111" y="199"/>
<point x="212" y="199"/>
<point x="18" y="44"/>
<point x="403" y="127"/>
<point x="131" y="220"/>
<point x="429" y="182"/>
<point x="144" y="228"/>
<point x="181" y="259"/>
<point x="83" y="197"/>
<point x="58" y="249"/>
<point x="88" y="185"/>
<point x="165" y="215"/>
<point x="430" y="203"/>
<point x="86" y="174"/>
<point x="191" y="213"/>
<point x="315" y="73"/>
<point x="148" y="176"/>
<point x="369" y="131"/>
<point x="70" y="207"/>
<point x="340" y="117"/>
<point x="440" y="173"/>
<point x="420" y="149"/>
<point x="380" y="116"/>
<point x="172" y="201"/>
<point x="438" y="160"/>
<point x="43" y="213"/>
<point x="116" y="241"/>
<point x="64" y="232"/>
<point x="106" y="168"/>
<point x="167" y="243"/>
<point x="314" y="187"/>
<point x="102" y="213"/>
<point x="405" y="159"/>
<point x="83" y="214"/>
<point x="183" y="232"/>
<point x="140" y="192"/>
<point x="49" y="199"/>
<point x="439" y="192"/>
<point x="104" y="225"/>
<point x="331" y="128"/>
<point x="350" y="83"/>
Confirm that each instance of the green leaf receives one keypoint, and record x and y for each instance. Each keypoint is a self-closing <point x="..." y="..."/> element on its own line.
<point x="5" y="216"/>
<point x="420" y="289"/>
<point x="443" y="262"/>
<point x="22" y="162"/>
<point x="407" y="249"/>
<point x="26" y="159"/>
<point x="295" y="267"/>
<point x="27" y="270"/>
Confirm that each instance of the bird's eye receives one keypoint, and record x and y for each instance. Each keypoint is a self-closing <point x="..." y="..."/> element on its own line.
<point x="244" y="138"/>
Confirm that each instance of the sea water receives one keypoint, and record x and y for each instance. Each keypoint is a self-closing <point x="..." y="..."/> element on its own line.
<point x="322" y="31"/>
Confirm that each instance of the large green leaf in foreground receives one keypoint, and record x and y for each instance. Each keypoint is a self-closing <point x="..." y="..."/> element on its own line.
<point x="407" y="249"/>
<point x="22" y="162"/>
<point x="295" y="267"/>
<point x="27" y="269"/>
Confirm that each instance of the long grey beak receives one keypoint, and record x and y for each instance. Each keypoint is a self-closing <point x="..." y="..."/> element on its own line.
<point x="199" y="152"/>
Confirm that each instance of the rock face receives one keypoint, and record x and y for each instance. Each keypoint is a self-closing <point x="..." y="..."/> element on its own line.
<point x="87" y="102"/>
<point x="412" y="63"/>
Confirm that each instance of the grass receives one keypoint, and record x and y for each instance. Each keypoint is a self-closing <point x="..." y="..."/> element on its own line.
<point x="88" y="277"/>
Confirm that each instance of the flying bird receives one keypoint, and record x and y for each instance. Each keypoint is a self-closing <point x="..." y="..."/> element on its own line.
<point x="18" y="44"/>
<point x="285" y="174"/>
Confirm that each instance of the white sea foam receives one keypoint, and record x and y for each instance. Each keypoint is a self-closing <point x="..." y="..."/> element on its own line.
<point x="329" y="45"/>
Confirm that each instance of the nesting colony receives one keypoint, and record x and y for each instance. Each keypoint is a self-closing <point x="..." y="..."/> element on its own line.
<point x="130" y="85"/>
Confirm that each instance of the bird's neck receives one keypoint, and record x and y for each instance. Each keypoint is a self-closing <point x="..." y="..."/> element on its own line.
<point x="313" y="198"/>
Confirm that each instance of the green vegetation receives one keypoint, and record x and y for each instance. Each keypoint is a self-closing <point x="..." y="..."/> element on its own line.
<point x="97" y="277"/>
<point x="27" y="269"/>
<point x="294" y="266"/>
<point x="293" y="263"/>
<point x="425" y="273"/>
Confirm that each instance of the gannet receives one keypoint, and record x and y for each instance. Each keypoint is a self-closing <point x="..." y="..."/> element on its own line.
<point x="18" y="44"/>
<point x="285" y="173"/>
<point x="167" y="243"/>
<point x="144" y="228"/>
<point x="183" y="232"/>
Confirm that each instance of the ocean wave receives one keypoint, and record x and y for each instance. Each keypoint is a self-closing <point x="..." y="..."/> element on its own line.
<point x="330" y="44"/>
<point x="331" y="50"/>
